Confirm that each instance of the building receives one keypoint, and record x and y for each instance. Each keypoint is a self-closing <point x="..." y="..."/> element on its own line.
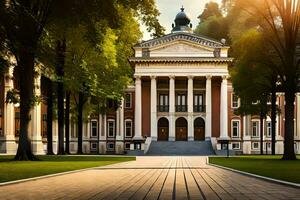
<point x="182" y="92"/>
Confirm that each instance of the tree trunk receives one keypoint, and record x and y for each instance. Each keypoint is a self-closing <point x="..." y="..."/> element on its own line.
<point x="261" y="135"/>
<point x="79" y="121"/>
<point x="60" y="53"/>
<point x="49" y="119"/>
<point x="26" y="74"/>
<point x="289" y="152"/>
<point x="67" y="122"/>
<point x="273" y="120"/>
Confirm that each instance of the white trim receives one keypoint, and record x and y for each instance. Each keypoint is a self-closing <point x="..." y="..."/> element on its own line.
<point x="239" y="128"/>
<point x="238" y="101"/>
<point x="92" y="148"/>
<point x="114" y="128"/>
<point x="258" y="128"/>
<point x="128" y="120"/>
<point x="130" y="101"/>
<point x="239" y="144"/>
<point x="91" y="128"/>
<point x="252" y="145"/>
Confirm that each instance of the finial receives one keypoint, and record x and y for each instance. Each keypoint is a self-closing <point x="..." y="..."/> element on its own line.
<point x="182" y="8"/>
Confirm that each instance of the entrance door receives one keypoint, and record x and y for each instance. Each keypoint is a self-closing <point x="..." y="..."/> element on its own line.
<point x="181" y="129"/>
<point x="163" y="129"/>
<point x="199" y="129"/>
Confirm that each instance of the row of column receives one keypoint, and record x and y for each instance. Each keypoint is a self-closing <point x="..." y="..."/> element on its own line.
<point x="190" y="96"/>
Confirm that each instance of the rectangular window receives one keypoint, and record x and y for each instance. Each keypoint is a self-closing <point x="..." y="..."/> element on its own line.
<point x="110" y="146"/>
<point x="163" y="103"/>
<point x="181" y="103"/>
<point x="198" y="103"/>
<point x="111" y="128"/>
<point x="236" y="145"/>
<point x="17" y="124"/>
<point x="235" y="130"/>
<point x="93" y="146"/>
<point x="128" y="100"/>
<point x="255" y="129"/>
<point x="255" y="145"/>
<point x="94" y="128"/>
<point x="269" y="129"/>
<point x="128" y="128"/>
<point x="235" y="101"/>
<point x="127" y="146"/>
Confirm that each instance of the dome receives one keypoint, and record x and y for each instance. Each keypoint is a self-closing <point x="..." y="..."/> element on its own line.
<point x="182" y="19"/>
<point x="182" y="22"/>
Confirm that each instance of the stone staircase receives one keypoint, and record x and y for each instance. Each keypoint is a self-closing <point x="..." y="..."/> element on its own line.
<point x="167" y="148"/>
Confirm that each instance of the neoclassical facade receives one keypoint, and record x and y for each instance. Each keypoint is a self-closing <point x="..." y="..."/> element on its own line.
<point x="182" y="92"/>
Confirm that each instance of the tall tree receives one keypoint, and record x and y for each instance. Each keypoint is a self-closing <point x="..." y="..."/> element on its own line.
<point x="279" y="25"/>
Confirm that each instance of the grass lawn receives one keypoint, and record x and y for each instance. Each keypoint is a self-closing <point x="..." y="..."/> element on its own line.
<point x="13" y="170"/>
<point x="270" y="166"/>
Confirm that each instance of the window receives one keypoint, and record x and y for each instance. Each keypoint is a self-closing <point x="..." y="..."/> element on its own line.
<point x="128" y="128"/>
<point x="255" y="128"/>
<point x="269" y="129"/>
<point x="236" y="145"/>
<point x="17" y="124"/>
<point x="163" y="103"/>
<point x="145" y="52"/>
<point x="127" y="145"/>
<point x="93" y="146"/>
<point x="111" y="128"/>
<point x="128" y="100"/>
<point x="198" y="103"/>
<point x="110" y="146"/>
<point x="181" y="103"/>
<point x="235" y="101"/>
<point x="44" y="125"/>
<point x="94" y="128"/>
<point x="235" y="129"/>
<point x="255" y="145"/>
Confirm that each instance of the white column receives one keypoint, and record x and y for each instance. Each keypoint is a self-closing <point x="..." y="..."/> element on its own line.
<point x="172" y="109"/>
<point x="224" y="110"/>
<point x="138" y="109"/>
<point x="9" y="115"/>
<point x="36" y="137"/>
<point x="208" y="108"/>
<point x="190" y="96"/>
<point x="153" y="109"/>
<point x="298" y="115"/>
<point x="121" y="134"/>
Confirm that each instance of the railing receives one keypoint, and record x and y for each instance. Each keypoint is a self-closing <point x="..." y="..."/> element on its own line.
<point x="163" y="108"/>
<point x="199" y="108"/>
<point x="181" y="108"/>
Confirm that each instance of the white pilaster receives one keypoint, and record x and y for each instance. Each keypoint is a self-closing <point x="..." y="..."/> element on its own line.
<point x="224" y="110"/>
<point x="208" y="108"/>
<point x="190" y="96"/>
<point x="120" y="136"/>
<point x="172" y="109"/>
<point x="9" y="115"/>
<point x="153" y="108"/>
<point x="138" y="109"/>
<point x="298" y="115"/>
<point x="36" y="131"/>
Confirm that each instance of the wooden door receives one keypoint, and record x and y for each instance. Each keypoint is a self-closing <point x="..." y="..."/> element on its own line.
<point x="163" y="134"/>
<point x="199" y="133"/>
<point x="181" y="134"/>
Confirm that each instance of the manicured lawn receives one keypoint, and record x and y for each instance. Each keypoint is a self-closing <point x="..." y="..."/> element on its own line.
<point x="270" y="166"/>
<point x="13" y="170"/>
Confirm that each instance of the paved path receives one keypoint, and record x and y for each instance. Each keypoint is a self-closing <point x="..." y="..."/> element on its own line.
<point x="151" y="178"/>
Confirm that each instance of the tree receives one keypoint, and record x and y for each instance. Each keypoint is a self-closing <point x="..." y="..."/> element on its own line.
<point x="279" y="25"/>
<point x="211" y="9"/>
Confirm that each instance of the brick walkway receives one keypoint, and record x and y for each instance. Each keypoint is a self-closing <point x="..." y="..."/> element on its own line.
<point x="151" y="178"/>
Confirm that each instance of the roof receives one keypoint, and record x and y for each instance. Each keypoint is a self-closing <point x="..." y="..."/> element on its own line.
<point x="180" y="59"/>
<point x="205" y="41"/>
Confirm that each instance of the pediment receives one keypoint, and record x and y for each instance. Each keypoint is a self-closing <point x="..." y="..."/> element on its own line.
<point x="181" y="49"/>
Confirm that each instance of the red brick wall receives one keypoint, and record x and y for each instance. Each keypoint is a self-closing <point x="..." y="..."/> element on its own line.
<point x="216" y="86"/>
<point x="146" y="110"/>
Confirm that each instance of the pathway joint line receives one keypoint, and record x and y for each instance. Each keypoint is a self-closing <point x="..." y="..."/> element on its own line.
<point x="287" y="183"/>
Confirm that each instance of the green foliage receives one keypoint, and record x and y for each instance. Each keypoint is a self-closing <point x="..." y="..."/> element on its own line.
<point x="211" y="9"/>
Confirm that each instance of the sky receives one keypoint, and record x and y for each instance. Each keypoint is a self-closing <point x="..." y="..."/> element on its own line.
<point x="169" y="9"/>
